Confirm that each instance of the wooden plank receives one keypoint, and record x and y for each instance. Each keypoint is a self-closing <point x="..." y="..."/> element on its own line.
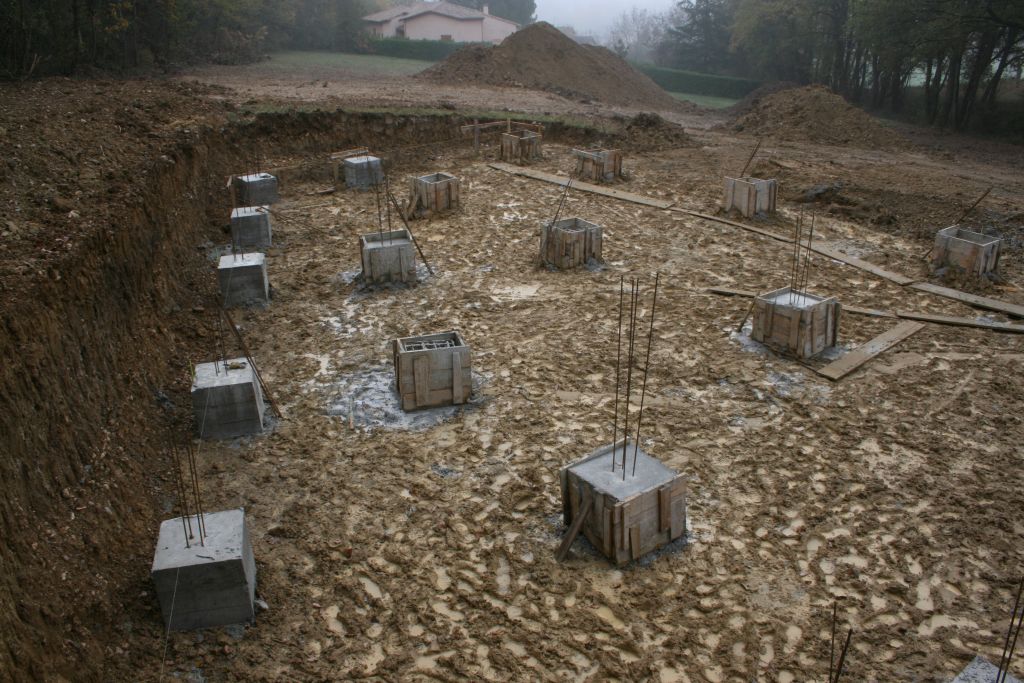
<point x="421" y="379"/>
<point x="985" y="302"/>
<point x="862" y="354"/>
<point x="664" y="508"/>
<point x="724" y="221"/>
<point x="457" y="378"/>
<point x="581" y="186"/>
<point x="961" y="322"/>
<point x="821" y="248"/>
<point x="577" y="524"/>
<point x="856" y="310"/>
<point x="634" y="542"/>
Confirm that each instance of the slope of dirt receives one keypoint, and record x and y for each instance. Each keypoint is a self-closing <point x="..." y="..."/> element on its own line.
<point x="813" y="114"/>
<point x="541" y="57"/>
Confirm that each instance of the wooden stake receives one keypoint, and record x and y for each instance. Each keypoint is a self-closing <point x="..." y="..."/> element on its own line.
<point x="585" y="506"/>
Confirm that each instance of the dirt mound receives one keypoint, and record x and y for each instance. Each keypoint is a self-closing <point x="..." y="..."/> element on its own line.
<point x="813" y="114"/>
<point x="647" y="132"/>
<point x="541" y="57"/>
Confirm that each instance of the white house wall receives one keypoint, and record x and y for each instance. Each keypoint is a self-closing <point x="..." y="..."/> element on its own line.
<point x="433" y="26"/>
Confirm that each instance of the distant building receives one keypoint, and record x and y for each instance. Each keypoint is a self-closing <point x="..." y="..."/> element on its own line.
<point x="440" y="21"/>
<point x="580" y="38"/>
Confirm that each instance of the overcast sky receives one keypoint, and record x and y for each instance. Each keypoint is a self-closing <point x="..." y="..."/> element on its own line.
<point x="592" y="16"/>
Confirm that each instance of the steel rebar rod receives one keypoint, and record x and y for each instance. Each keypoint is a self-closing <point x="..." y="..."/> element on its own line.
<point x="193" y="469"/>
<point x="252" y="363"/>
<point x="1008" y="646"/>
<point x="807" y="259"/>
<point x="743" y="173"/>
<point x="182" y="497"/>
<point x="409" y="230"/>
<point x="832" y="645"/>
<point x="618" y="365"/>
<point x="629" y="368"/>
<point x="647" y="365"/>
<point x="972" y="207"/>
<point x="842" y="656"/>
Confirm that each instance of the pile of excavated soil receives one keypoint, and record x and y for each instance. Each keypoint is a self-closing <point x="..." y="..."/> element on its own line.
<point x="813" y="114"/>
<point x="647" y="132"/>
<point x="541" y="57"/>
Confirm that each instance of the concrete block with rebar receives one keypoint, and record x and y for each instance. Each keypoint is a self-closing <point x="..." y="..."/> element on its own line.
<point x="972" y="252"/>
<point x="387" y="257"/>
<point x="363" y="172"/>
<point x="209" y="582"/>
<point x="796" y="323"/>
<point x="570" y="243"/>
<point x="226" y="399"/>
<point x="243" y="279"/>
<point x="255" y="189"/>
<point x="250" y="227"/>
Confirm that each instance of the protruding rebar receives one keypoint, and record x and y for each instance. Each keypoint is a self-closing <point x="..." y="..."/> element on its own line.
<point x="1009" y="646"/>
<point x="633" y="312"/>
<point x="842" y="656"/>
<point x="194" y="472"/>
<point x="832" y="645"/>
<point x="618" y="362"/>
<point x="186" y="523"/>
<point x="743" y="173"/>
<point x="647" y="365"/>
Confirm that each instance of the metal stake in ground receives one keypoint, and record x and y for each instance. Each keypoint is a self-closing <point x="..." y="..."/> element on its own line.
<point x="647" y="366"/>
<point x="252" y="364"/>
<point x="842" y="657"/>
<point x="629" y="367"/>
<point x="1009" y="646"/>
<point x="618" y="363"/>
<point x="186" y="523"/>
<point x="406" y="224"/>
<point x="743" y="173"/>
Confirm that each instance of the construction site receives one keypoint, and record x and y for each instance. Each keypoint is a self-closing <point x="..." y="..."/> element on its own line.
<point x="473" y="375"/>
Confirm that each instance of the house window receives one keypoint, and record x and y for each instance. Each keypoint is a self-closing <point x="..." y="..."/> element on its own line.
<point x="446" y="37"/>
<point x="400" y="31"/>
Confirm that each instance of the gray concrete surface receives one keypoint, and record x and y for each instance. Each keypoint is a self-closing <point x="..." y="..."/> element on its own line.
<point x="243" y="279"/>
<point x="251" y="227"/>
<point x="209" y="584"/>
<point x="226" y="400"/>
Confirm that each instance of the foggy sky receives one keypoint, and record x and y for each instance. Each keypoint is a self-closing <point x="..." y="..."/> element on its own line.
<point x="592" y="16"/>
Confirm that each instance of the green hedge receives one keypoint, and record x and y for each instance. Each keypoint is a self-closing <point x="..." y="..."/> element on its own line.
<point x="695" y="83"/>
<point x="426" y="50"/>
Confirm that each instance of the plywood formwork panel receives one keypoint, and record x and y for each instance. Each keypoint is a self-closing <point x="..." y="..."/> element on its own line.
<point x="796" y="323"/>
<point x="520" y="147"/>
<point x="570" y="243"/>
<point x="629" y="517"/>
<point x="598" y="165"/>
<point x="387" y="257"/>
<point x="966" y="250"/>
<point x="434" y="193"/>
<point x="432" y="370"/>
<point x="751" y="196"/>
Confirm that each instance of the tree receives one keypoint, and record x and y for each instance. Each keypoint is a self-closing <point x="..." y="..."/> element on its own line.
<point x="636" y="33"/>
<point x="697" y="36"/>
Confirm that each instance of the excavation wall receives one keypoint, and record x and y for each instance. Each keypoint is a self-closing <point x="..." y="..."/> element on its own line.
<point x="95" y="348"/>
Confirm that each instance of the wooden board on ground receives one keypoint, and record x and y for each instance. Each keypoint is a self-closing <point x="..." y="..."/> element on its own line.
<point x="856" y="310"/>
<point x="825" y="250"/>
<point x="581" y="186"/>
<point x="862" y="354"/>
<point x="742" y="226"/>
<point x="1015" y="310"/>
<point x="961" y="322"/>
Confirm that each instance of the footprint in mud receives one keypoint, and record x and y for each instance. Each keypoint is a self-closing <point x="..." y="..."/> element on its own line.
<point x="606" y="614"/>
<point x="330" y="615"/>
<point x="371" y="587"/>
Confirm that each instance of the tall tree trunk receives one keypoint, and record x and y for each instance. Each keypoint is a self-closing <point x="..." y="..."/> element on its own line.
<point x="952" y="88"/>
<point x="988" y="99"/>
<point x="982" y="60"/>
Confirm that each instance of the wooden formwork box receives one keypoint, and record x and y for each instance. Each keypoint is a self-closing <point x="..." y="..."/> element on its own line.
<point x="800" y="324"/>
<point x="433" y="376"/>
<point x="751" y="196"/>
<point x="521" y="147"/>
<point x="434" y="193"/>
<point x="628" y="527"/>
<point x="599" y="165"/>
<point x="387" y="257"/>
<point x="971" y="251"/>
<point x="570" y="242"/>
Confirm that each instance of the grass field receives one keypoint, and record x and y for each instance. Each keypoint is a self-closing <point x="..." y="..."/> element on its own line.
<point x="360" y="65"/>
<point x="709" y="101"/>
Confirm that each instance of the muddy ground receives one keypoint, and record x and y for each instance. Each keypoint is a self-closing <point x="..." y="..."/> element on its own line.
<point x="391" y="550"/>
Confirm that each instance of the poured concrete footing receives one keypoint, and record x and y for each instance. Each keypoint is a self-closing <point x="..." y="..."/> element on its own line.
<point x="243" y="279"/>
<point x="980" y="670"/>
<point x="226" y="400"/>
<point x="209" y="583"/>
<point x="255" y="189"/>
<point x="250" y="227"/>
<point x="363" y="172"/>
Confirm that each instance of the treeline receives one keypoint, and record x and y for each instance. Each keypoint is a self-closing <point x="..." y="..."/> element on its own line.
<point x="945" y="59"/>
<point x="43" y="37"/>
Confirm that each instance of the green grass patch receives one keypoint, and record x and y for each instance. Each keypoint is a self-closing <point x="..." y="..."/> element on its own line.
<point x="675" y="80"/>
<point x="360" y="65"/>
<point x="709" y="101"/>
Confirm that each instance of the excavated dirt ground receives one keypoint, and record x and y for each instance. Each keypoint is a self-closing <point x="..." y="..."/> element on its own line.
<point x="424" y="551"/>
